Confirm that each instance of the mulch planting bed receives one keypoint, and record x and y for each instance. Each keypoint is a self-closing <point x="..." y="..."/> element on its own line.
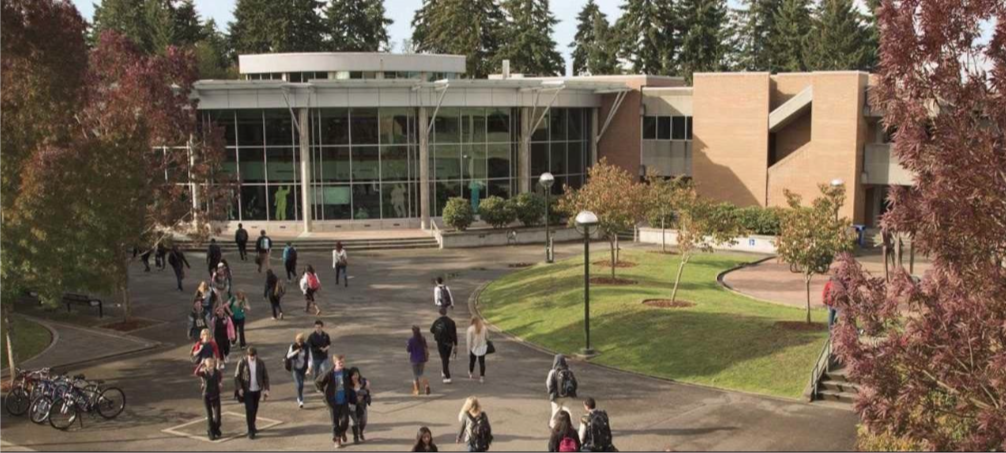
<point x="801" y="326"/>
<point x="661" y="252"/>
<point x="520" y="265"/>
<point x="667" y="303"/>
<point x="620" y="264"/>
<point x="129" y="326"/>
<point x="612" y="281"/>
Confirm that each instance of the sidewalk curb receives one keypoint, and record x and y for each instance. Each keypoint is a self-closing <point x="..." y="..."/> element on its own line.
<point x="146" y="345"/>
<point x="473" y="304"/>
<point x="720" y="278"/>
<point x="53" y="339"/>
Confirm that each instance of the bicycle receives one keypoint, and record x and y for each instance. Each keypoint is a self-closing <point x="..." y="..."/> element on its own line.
<point x="18" y="400"/>
<point x="41" y="401"/>
<point x="88" y="398"/>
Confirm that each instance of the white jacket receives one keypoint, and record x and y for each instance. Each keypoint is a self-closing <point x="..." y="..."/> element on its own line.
<point x="477" y="343"/>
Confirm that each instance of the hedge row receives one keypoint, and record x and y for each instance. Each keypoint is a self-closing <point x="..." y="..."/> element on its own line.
<point x="528" y="208"/>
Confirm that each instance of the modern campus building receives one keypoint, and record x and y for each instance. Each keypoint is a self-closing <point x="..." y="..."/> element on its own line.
<point x="340" y="141"/>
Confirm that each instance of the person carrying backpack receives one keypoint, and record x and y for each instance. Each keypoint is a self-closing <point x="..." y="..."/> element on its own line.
<point x="290" y="261"/>
<point x="176" y="259"/>
<point x="475" y="430"/>
<point x="263" y="247"/>
<point x="445" y="333"/>
<point x="595" y="431"/>
<point x="561" y="385"/>
<point x="442" y="296"/>
<point x="298" y="359"/>
<point x="241" y="238"/>
<point x="338" y="392"/>
<point x="310" y="284"/>
<point x="340" y="262"/>
<point x="419" y="354"/>
<point x="213" y="256"/>
<point x="275" y="289"/>
<point x="564" y="437"/>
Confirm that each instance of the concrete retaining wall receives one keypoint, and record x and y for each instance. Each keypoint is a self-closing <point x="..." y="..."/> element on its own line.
<point x="498" y="237"/>
<point x="754" y="243"/>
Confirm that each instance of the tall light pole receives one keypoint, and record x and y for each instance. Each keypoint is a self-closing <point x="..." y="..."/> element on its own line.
<point x="585" y="220"/>
<point x="837" y="182"/>
<point x="546" y="180"/>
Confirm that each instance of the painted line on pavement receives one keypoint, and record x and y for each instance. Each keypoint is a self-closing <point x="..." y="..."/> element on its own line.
<point x="175" y="430"/>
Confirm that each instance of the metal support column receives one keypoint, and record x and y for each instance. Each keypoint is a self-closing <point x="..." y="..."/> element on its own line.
<point x="424" y="169"/>
<point x="305" y="168"/>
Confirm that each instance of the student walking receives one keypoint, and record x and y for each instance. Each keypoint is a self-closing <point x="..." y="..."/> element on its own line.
<point x="335" y="386"/>
<point x="298" y="359"/>
<point x="176" y="259"/>
<point x="310" y="285"/>
<point x="419" y="354"/>
<point x="211" y="379"/>
<point x="561" y="386"/>
<point x="319" y="342"/>
<point x="359" y="404"/>
<point x="204" y="349"/>
<point x="203" y="298"/>
<point x="477" y="342"/>
<point x="213" y="256"/>
<point x="252" y="383"/>
<point x="445" y="333"/>
<point x="222" y="328"/>
<point x="475" y="431"/>
<point x="241" y="239"/>
<point x="275" y="289"/>
<point x="239" y="308"/>
<point x="263" y="247"/>
<point x="564" y="437"/>
<point x="595" y="431"/>
<point x="424" y="440"/>
<point x="442" y="296"/>
<point x="828" y="298"/>
<point x="340" y="261"/>
<point x="290" y="261"/>
<point x="159" y="255"/>
<point x="221" y="282"/>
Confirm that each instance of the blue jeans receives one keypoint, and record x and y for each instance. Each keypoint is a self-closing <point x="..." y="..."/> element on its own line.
<point x="298" y="382"/>
<point x="832" y="316"/>
<point x="320" y="366"/>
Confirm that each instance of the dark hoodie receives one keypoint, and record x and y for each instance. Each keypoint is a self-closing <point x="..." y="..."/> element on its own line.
<point x="559" y="363"/>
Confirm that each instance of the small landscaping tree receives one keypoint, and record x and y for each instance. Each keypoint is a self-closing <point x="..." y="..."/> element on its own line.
<point x="812" y="237"/>
<point x="614" y="196"/>
<point x="458" y="213"/>
<point x="529" y="207"/>
<point x="497" y="211"/>
<point x="661" y="204"/>
<point x="701" y="224"/>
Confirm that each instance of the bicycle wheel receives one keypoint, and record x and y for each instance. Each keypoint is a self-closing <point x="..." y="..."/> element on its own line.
<point x="111" y="402"/>
<point x="63" y="413"/>
<point x="39" y="410"/>
<point x="17" y="401"/>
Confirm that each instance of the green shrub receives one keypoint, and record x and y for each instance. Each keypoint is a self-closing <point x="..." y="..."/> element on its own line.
<point x="758" y="220"/>
<point x="497" y="211"/>
<point x="458" y="213"/>
<point x="555" y="215"/>
<point x="529" y="208"/>
<point x="668" y="217"/>
<point x="885" y="441"/>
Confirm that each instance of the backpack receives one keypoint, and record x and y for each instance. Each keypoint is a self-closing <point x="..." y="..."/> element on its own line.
<point x="287" y="363"/>
<point x="280" y="289"/>
<point x="439" y="332"/>
<point x="312" y="282"/>
<point x="565" y="383"/>
<point x="568" y="444"/>
<point x="482" y="434"/>
<point x="599" y="432"/>
<point x="445" y="297"/>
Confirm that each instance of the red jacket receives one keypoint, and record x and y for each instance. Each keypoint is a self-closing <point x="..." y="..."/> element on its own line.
<point x="826" y="294"/>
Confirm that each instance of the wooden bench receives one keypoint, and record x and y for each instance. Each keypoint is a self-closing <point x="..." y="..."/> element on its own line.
<point x="83" y="299"/>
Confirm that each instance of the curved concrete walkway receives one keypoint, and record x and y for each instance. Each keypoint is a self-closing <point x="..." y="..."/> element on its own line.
<point x="370" y="322"/>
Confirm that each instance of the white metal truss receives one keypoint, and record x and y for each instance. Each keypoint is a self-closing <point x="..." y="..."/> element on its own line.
<point x="619" y="98"/>
<point x="535" y="119"/>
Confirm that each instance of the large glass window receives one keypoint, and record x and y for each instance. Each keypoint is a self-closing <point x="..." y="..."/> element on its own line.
<point x="250" y="129"/>
<point x="677" y="128"/>
<point x="649" y="128"/>
<point x="663" y="128"/>
<point x="334" y="126"/>
<point x="366" y="163"/>
<point x="394" y="163"/>
<point x="396" y="126"/>
<point x="364" y="126"/>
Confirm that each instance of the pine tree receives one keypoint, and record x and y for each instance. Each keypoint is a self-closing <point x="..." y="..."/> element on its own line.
<point x="124" y="16"/>
<point x="789" y="42"/>
<point x="756" y="34"/>
<point x="473" y="28"/>
<point x="212" y="53"/>
<point x="357" y="26"/>
<point x="704" y="30"/>
<point x="528" y="40"/>
<point x="188" y="26"/>
<point x="264" y="26"/>
<point x="159" y="16"/>
<point x="874" y="30"/>
<point x="594" y="49"/>
<point x="646" y="34"/>
<point x="839" y="39"/>
<point x="421" y="28"/>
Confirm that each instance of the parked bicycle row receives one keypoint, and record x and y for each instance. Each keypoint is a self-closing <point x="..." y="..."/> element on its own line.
<point x="61" y="399"/>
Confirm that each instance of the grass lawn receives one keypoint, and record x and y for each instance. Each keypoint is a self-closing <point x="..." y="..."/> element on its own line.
<point x="29" y="339"/>
<point x="725" y="340"/>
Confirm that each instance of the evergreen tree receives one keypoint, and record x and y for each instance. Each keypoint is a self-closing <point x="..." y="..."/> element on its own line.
<point x="594" y="47"/>
<point x="212" y="54"/>
<point x="528" y="40"/>
<point x="189" y="28"/>
<point x="839" y="39"/>
<point x="421" y="28"/>
<point x="704" y="30"/>
<point x="127" y="17"/>
<point x="792" y="29"/>
<point x="874" y="31"/>
<point x="159" y="16"/>
<point x="473" y="28"/>
<point x="756" y="32"/>
<point x="265" y="26"/>
<point x="357" y="26"/>
<point x="647" y="38"/>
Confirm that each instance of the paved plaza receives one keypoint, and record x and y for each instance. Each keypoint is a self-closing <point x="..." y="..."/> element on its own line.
<point x="370" y="322"/>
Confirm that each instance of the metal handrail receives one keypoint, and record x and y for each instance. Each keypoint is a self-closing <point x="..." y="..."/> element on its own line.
<point x="820" y="367"/>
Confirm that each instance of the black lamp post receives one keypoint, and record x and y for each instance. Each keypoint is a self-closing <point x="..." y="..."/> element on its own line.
<point x="585" y="220"/>
<point x="546" y="180"/>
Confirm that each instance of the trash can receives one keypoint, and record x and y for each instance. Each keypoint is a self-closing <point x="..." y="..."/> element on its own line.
<point x="860" y="235"/>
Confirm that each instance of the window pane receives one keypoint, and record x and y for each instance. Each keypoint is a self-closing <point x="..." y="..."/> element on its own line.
<point x="395" y="125"/>
<point x="541" y="133"/>
<point x="335" y="164"/>
<point x="333" y="201"/>
<point x="575" y="124"/>
<point x="395" y="200"/>
<point x="281" y="164"/>
<point x="475" y="161"/>
<point x="499" y="188"/>
<point x="448" y="162"/>
<point x="557" y="124"/>
<point x="394" y="163"/>
<point x="232" y="202"/>
<point x="688" y="129"/>
<point x="295" y="77"/>
<point x="283" y="202"/>
<point x="649" y="128"/>
<point x="223" y="119"/>
<point x="678" y="128"/>
<point x="444" y="190"/>
<point x="474" y="191"/>
<point x="499" y="160"/>
<point x="249" y="127"/>
<point x="278" y="127"/>
<point x="230" y="165"/>
<point x="253" y="203"/>
<point x="574" y="156"/>
<point x="447" y="126"/>
<point x="335" y="126"/>
<point x="365" y="163"/>
<point x="499" y="125"/>
<point x="664" y="128"/>
<point x="473" y="125"/>
<point x="363" y="126"/>
<point x="575" y="181"/>
<point x="366" y="201"/>
<point x="557" y="165"/>
<point x="539" y="158"/>
<point x="252" y="164"/>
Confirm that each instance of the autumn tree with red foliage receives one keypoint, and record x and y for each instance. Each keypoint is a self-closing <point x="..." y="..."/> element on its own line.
<point x="931" y="358"/>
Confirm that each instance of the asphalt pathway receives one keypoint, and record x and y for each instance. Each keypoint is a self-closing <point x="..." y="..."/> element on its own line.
<point x="370" y="322"/>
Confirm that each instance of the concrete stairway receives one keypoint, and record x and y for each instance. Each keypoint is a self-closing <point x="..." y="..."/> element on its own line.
<point x="325" y="245"/>
<point x="835" y="386"/>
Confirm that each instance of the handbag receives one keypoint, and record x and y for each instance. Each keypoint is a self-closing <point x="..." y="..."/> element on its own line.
<point x="231" y="333"/>
<point x="490" y="347"/>
<point x="237" y="396"/>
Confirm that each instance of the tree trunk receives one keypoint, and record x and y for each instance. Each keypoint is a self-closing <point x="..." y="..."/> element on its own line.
<point x="127" y="304"/>
<point x="677" y="279"/>
<point x="9" y="332"/>
<point x="618" y="250"/>
<point x="806" y="279"/>
<point x="614" y="246"/>
<point x="887" y="270"/>
<point x="663" y="236"/>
